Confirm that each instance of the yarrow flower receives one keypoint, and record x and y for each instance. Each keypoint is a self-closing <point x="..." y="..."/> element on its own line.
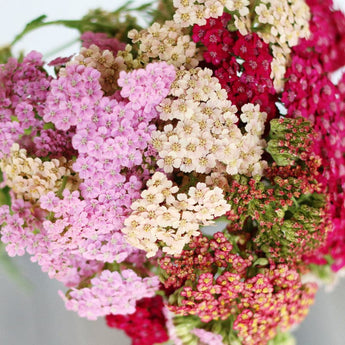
<point x="208" y="338"/>
<point x="32" y="178"/>
<point x="168" y="42"/>
<point x="182" y="180"/>
<point x="111" y="292"/>
<point x="146" y="326"/>
<point x="163" y="215"/>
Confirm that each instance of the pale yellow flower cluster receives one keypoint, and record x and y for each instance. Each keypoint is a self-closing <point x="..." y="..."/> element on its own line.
<point x="201" y="131"/>
<point x="284" y="23"/>
<point x="103" y="61"/>
<point x="167" y="42"/>
<point x="288" y="21"/>
<point x="190" y="12"/>
<point x="165" y="219"/>
<point x="281" y="59"/>
<point x="30" y="178"/>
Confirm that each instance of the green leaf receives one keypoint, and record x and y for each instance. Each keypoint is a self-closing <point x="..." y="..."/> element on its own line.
<point x="261" y="262"/>
<point x="124" y="7"/>
<point x="62" y="188"/>
<point x="5" y="198"/>
<point x="282" y="339"/>
<point x="28" y="131"/>
<point x="324" y="273"/>
<point x="5" y="54"/>
<point x="34" y="24"/>
<point x="49" y="125"/>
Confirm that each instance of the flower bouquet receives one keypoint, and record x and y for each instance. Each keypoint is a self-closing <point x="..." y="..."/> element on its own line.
<point x="184" y="180"/>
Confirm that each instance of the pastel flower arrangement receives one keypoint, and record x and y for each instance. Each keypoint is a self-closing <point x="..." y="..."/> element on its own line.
<point x="184" y="181"/>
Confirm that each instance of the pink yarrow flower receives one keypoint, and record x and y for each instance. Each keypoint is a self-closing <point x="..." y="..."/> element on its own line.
<point x="110" y="293"/>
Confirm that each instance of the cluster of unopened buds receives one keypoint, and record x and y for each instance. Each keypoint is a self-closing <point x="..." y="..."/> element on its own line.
<point x="185" y="184"/>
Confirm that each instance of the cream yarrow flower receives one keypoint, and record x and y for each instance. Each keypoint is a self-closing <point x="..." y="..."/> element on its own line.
<point x="205" y="131"/>
<point x="288" y="21"/>
<point x="167" y="42"/>
<point x="169" y="220"/>
<point x="30" y="178"/>
<point x="281" y="23"/>
<point x="241" y="6"/>
<point x="281" y="58"/>
<point x="105" y="62"/>
<point x="190" y="12"/>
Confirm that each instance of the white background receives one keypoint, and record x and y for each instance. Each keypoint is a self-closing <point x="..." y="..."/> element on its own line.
<point x="37" y="316"/>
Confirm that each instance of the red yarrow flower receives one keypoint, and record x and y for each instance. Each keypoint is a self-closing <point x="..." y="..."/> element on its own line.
<point x="146" y="326"/>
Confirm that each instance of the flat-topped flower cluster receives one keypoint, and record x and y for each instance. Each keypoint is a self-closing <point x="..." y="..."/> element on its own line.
<point x="116" y="169"/>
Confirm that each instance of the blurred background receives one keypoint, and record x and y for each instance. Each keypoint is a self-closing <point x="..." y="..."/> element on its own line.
<point x="31" y="312"/>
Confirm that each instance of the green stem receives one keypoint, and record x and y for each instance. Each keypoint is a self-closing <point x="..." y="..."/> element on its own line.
<point x="63" y="185"/>
<point x="73" y="24"/>
<point x="87" y="23"/>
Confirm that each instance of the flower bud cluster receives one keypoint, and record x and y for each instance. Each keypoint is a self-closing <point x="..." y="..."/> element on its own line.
<point x="288" y="212"/>
<point x="220" y="285"/>
<point x="310" y="93"/>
